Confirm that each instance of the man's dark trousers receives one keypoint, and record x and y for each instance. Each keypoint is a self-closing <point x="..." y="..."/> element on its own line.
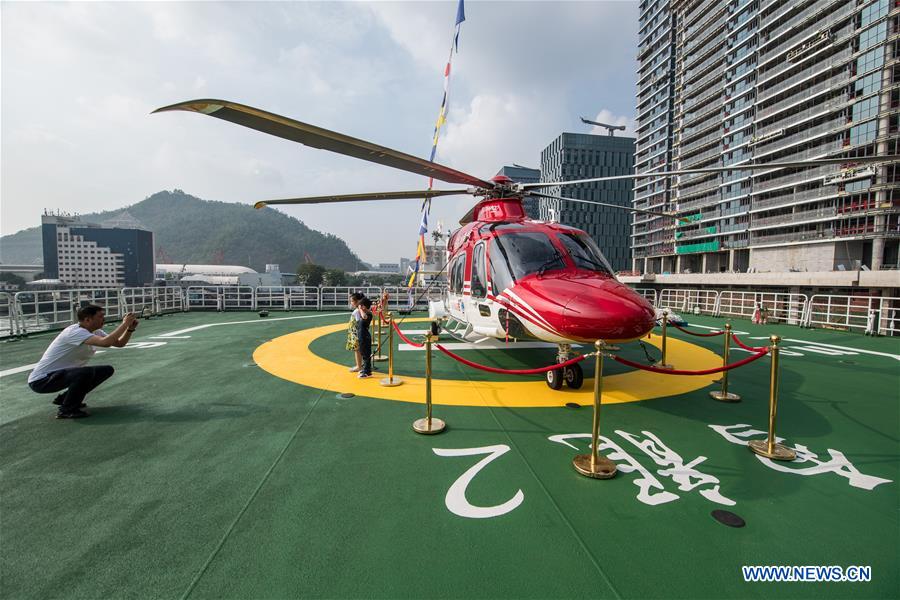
<point x="80" y="381"/>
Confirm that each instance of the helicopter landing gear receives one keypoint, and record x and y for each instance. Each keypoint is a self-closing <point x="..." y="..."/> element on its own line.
<point x="572" y="375"/>
<point x="555" y="379"/>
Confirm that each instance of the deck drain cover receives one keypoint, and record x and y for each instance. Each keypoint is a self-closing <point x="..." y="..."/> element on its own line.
<point x="572" y="405"/>
<point x="346" y="395"/>
<point x="728" y="518"/>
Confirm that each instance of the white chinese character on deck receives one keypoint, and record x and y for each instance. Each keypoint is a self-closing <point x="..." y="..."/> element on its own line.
<point x="838" y="464"/>
<point x="626" y="463"/>
<point x="685" y="475"/>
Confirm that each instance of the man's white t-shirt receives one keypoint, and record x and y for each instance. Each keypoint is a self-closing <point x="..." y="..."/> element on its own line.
<point x="67" y="351"/>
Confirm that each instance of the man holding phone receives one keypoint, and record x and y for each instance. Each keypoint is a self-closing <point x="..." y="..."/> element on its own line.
<point x="63" y="365"/>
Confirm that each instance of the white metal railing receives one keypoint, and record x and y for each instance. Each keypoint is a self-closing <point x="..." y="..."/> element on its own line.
<point x="338" y="297"/>
<point x="9" y="322"/>
<point x="871" y="314"/>
<point x="39" y="311"/>
<point x="648" y="293"/>
<point x="169" y="299"/>
<point x="220" y="297"/>
<point x="296" y="297"/>
<point x="780" y="308"/>
<point x="203" y="298"/>
<point x="27" y="312"/>
<point x="137" y="300"/>
<point x="689" y="301"/>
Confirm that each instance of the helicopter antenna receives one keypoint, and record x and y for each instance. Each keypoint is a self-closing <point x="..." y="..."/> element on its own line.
<point x="610" y="129"/>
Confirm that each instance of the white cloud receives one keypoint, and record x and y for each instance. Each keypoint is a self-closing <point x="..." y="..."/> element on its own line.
<point x="80" y="79"/>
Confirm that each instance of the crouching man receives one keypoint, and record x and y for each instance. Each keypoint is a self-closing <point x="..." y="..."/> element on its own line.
<point x="62" y="367"/>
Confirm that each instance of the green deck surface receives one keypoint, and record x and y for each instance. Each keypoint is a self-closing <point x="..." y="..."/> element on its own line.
<point x="200" y="475"/>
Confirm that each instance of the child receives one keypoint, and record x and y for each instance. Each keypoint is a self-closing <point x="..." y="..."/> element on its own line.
<point x="364" y="337"/>
<point x="352" y="340"/>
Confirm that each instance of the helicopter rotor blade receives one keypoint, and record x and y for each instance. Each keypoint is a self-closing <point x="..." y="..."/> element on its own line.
<point x="746" y="167"/>
<point x="317" y="137"/>
<point x="365" y="197"/>
<point x="642" y="211"/>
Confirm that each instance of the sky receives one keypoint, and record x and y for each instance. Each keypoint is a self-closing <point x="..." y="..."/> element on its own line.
<point x="79" y="81"/>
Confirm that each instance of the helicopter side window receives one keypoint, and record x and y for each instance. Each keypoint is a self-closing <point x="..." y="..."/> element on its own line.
<point x="479" y="281"/>
<point x="585" y="253"/>
<point x="526" y="253"/>
<point x="456" y="274"/>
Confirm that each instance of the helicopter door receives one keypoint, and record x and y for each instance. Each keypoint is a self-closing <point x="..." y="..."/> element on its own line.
<point x="478" y="309"/>
<point x="457" y="274"/>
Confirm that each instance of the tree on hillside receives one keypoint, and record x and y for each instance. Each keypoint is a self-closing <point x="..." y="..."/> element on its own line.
<point x="310" y="274"/>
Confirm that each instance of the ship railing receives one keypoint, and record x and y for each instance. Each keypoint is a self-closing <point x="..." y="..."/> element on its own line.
<point x="155" y="300"/>
<point x="338" y="297"/>
<point x="139" y="300"/>
<point x="399" y="296"/>
<point x="779" y="307"/>
<point x="39" y="311"/>
<point x="294" y="297"/>
<point x="9" y="321"/>
<point x="221" y="297"/>
<point x="648" y="293"/>
<point x="33" y="311"/>
<point x="169" y="300"/>
<point x="703" y="302"/>
<point x="870" y="314"/>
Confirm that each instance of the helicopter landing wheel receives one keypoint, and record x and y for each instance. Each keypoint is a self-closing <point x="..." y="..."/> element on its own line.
<point x="574" y="376"/>
<point x="555" y="379"/>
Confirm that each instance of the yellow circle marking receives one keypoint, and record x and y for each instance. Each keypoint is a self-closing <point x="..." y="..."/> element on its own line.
<point x="289" y="357"/>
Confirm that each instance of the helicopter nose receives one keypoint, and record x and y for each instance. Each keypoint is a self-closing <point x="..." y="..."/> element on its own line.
<point x="611" y="313"/>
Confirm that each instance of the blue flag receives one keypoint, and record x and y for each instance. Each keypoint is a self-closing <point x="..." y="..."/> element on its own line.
<point x="460" y="17"/>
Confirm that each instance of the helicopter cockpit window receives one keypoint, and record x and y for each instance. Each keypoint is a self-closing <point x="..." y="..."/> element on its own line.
<point x="501" y="278"/>
<point x="479" y="281"/>
<point x="524" y="253"/>
<point x="585" y="253"/>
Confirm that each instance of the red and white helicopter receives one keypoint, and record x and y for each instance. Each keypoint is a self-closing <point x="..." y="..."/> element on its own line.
<point x="510" y="276"/>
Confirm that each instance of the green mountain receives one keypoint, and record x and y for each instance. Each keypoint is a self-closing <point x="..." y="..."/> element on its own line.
<point x="191" y="230"/>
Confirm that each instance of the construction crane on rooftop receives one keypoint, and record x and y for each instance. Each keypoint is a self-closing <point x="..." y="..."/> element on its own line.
<point x="609" y="128"/>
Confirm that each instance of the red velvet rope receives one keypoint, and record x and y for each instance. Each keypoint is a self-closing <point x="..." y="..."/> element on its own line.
<point x="739" y="363"/>
<point x="403" y="337"/>
<point x="459" y="358"/>
<point x="712" y="334"/>
<point x="746" y="347"/>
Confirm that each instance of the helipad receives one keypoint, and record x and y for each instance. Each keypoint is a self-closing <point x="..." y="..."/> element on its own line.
<point x="200" y="474"/>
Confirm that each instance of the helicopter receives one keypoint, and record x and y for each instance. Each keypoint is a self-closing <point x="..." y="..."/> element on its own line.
<point x="509" y="276"/>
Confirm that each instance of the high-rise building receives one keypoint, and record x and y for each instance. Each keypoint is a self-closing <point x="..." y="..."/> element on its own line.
<point x="582" y="156"/>
<point x="521" y="174"/>
<point x="721" y="83"/>
<point x="116" y="254"/>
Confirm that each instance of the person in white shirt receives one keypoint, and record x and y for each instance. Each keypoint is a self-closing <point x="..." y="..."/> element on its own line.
<point x="63" y="365"/>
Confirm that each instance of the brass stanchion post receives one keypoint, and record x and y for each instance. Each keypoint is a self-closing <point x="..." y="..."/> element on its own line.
<point x="593" y="465"/>
<point x="428" y="425"/>
<point x="769" y="447"/>
<point x="724" y="395"/>
<point x="379" y="356"/>
<point x="390" y="380"/>
<point x="662" y="364"/>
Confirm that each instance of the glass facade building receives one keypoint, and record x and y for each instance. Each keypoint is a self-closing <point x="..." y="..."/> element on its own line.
<point x="582" y="156"/>
<point x="721" y="83"/>
<point x="83" y="254"/>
